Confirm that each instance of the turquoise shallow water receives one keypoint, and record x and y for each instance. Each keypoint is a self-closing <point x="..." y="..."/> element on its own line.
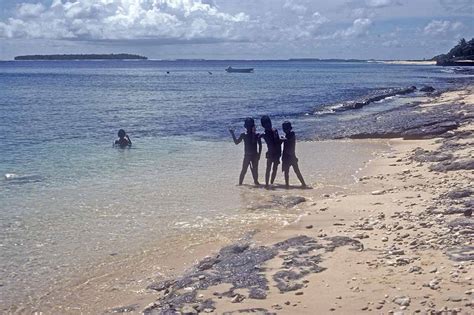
<point x="76" y="200"/>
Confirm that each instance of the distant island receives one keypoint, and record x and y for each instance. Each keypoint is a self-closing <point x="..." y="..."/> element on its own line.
<point x="327" y="60"/>
<point x="82" y="57"/>
<point x="460" y="55"/>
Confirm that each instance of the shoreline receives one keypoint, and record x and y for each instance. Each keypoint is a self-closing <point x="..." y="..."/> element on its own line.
<point x="124" y="276"/>
<point x="409" y="62"/>
<point x="317" y="208"/>
<point x="401" y="260"/>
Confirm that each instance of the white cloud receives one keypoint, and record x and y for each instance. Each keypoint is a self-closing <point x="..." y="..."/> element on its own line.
<point x="380" y="3"/>
<point x="305" y="29"/>
<point x="30" y="10"/>
<point x="295" y="7"/>
<point x="168" y="20"/>
<point x="442" y="28"/>
<point x="317" y="18"/>
<point x="360" y="13"/>
<point x="358" y="28"/>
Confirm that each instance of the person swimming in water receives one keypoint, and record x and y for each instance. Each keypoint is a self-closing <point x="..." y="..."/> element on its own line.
<point x="274" y="149"/>
<point x="251" y="155"/>
<point x="124" y="140"/>
<point x="289" y="155"/>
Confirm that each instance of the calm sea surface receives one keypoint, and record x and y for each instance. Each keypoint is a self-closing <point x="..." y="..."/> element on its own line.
<point x="71" y="199"/>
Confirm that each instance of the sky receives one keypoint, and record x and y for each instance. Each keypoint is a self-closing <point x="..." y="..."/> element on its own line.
<point x="236" y="29"/>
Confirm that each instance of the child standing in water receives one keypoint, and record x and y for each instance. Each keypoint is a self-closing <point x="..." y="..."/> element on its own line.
<point x="124" y="140"/>
<point x="289" y="155"/>
<point x="274" y="149"/>
<point x="251" y="156"/>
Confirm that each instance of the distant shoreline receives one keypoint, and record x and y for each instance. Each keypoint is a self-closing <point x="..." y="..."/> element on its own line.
<point x="82" y="57"/>
<point x="409" y="62"/>
<point x="93" y="57"/>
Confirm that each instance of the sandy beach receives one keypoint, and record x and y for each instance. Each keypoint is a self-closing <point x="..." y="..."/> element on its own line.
<point x="410" y="62"/>
<point x="399" y="240"/>
<point x="395" y="239"/>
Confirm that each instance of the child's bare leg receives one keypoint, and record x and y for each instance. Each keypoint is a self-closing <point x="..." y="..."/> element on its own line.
<point x="287" y="179"/>
<point x="267" y="171"/>
<point x="274" y="173"/>
<point x="245" y="165"/>
<point x="298" y="174"/>
<point x="254" y="164"/>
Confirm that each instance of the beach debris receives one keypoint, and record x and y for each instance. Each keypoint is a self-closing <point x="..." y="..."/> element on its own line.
<point x="360" y="236"/>
<point x="160" y="286"/>
<point x="378" y="192"/>
<point x="257" y="294"/>
<point x="124" y="309"/>
<point x="188" y="310"/>
<point x="455" y="298"/>
<point x="433" y="284"/>
<point x="254" y="311"/>
<point x="237" y="298"/>
<point x="415" y="269"/>
<point x="402" y="300"/>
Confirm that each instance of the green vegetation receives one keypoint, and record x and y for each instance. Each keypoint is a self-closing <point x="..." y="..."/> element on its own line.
<point x="81" y="57"/>
<point x="462" y="51"/>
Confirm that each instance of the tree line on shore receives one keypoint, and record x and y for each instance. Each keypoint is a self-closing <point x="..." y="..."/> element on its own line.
<point x="464" y="50"/>
<point x="80" y="57"/>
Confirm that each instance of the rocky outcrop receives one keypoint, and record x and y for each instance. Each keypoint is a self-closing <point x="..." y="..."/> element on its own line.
<point x="427" y="88"/>
<point x="241" y="266"/>
<point x="409" y="122"/>
<point x="376" y="98"/>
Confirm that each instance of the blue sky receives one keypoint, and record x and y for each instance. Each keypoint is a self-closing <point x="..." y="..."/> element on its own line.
<point x="231" y="29"/>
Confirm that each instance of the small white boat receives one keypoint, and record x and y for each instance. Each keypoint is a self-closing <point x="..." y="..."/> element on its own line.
<point x="239" y="70"/>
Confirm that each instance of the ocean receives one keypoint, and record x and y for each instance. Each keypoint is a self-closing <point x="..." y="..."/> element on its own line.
<point x="69" y="200"/>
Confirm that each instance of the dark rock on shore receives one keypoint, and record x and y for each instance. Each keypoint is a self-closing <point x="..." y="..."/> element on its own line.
<point x="277" y="201"/>
<point x="463" y="253"/>
<point x="160" y="286"/>
<point x="454" y="211"/>
<point x="421" y="155"/>
<point x="429" y="130"/>
<point x="240" y="265"/>
<point x="427" y="88"/>
<point x="376" y="98"/>
<point x="338" y="241"/>
<point x="288" y="201"/>
<point x="410" y="121"/>
<point x="255" y="310"/>
<point x="458" y="193"/>
<point x="462" y="222"/>
<point x="453" y="165"/>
